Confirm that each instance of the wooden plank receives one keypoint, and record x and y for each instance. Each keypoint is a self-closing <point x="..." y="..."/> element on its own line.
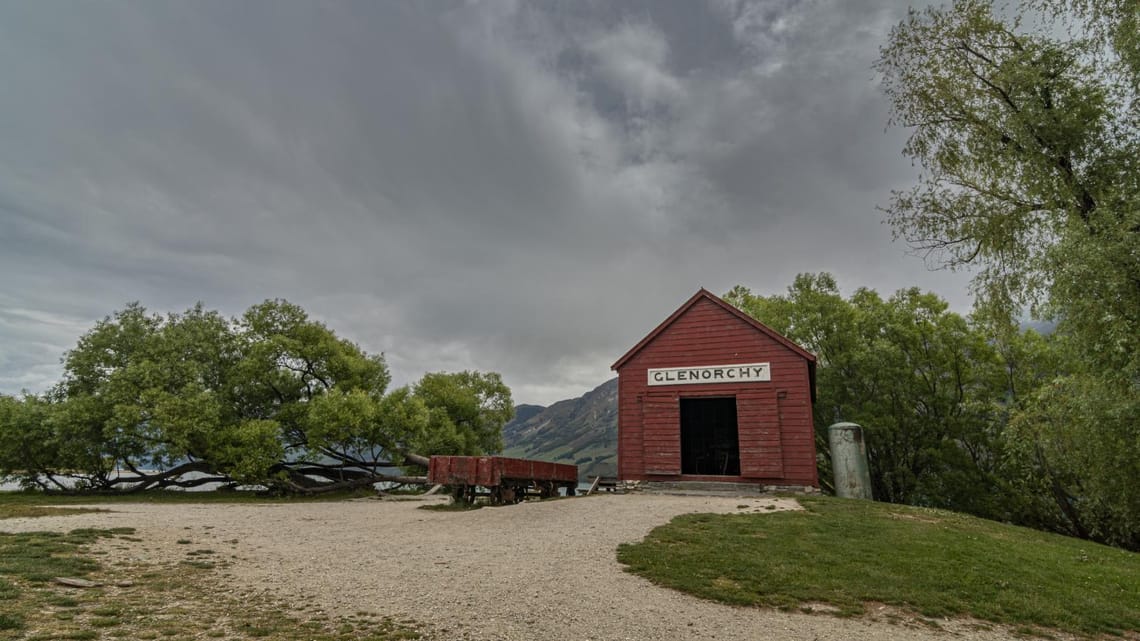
<point x="594" y="485"/>
<point x="662" y="442"/>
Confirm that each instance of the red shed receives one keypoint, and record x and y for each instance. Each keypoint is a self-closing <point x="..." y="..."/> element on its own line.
<point x="714" y="395"/>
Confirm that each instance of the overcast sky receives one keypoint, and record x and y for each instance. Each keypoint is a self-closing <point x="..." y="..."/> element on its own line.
<point x="526" y="188"/>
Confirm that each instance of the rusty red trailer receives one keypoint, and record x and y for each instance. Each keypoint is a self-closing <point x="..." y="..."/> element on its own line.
<point x="507" y="480"/>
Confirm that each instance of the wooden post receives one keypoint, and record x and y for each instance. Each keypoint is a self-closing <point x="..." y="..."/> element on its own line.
<point x="594" y="485"/>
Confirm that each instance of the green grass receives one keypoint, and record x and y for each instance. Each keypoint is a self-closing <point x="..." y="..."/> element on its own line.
<point x="930" y="562"/>
<point x="11" y="502"/>
<point x="37" y="557"/>
<point x="22" y="510"/>
<point x="150" y="601"/>
<point x="11" y="622"/>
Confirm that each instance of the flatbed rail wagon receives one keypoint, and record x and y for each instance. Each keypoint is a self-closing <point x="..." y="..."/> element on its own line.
<point x="506" y="480"/>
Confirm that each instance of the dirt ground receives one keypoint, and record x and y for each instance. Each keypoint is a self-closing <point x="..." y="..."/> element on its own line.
<point x="539" y="570"/>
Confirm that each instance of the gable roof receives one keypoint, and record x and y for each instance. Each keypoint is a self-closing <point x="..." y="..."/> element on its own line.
<point x="704" y="294"/>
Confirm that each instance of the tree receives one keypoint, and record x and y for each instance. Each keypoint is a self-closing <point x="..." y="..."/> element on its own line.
<point x="1031" y="156"/>
<point x="1076" y="443"/>
<point x="924" y="383"/>
<point x="1027" y="147"/>
<point x="1030" y="150"/>
<point x="468" y="411"/>
<point x="27" y="442"/>
<point x="272" y="398"/>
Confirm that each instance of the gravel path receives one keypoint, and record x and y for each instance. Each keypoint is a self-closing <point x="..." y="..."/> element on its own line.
<point x="531" y="571"/>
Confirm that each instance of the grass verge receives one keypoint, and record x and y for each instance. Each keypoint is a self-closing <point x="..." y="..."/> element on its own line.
<point x="173" y="602"/>
<point x="930" y="562"/>
<point x="19" y="500"/>
<point x="21" y="510"/>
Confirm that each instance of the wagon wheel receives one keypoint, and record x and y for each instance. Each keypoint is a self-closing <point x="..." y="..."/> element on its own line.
<point x="504" y="495"/>
<point x="513" y="493"/>
<point x="464" y="493"/>
<point x="548" y="490"/>
<point x="459" y="493"/>
<point x="510" y="494"/>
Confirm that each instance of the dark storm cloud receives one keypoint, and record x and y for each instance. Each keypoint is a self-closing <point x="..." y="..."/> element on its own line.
<point x="524" y="188"/>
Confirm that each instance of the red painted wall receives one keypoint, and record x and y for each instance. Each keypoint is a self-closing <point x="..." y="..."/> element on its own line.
<point x="774" y="419"/>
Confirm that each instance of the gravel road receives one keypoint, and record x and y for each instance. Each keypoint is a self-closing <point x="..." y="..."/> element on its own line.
<point x="539" y="570"/>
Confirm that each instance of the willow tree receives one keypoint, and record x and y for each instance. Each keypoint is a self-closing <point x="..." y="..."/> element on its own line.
<point x="272" y="398"/>
<point x="1029" y="146"/>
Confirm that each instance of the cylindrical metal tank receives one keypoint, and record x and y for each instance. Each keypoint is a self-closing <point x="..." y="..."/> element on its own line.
<point x="849" y="461"/>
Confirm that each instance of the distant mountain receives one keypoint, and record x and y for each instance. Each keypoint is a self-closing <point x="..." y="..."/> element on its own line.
<point x="580" y="430"/>
<point x="524" y="412"/>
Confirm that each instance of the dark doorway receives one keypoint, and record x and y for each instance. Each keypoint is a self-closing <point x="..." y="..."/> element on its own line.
<point x="709" y="443"/>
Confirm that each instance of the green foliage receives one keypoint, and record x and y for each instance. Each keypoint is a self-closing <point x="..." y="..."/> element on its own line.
<point x="468" y="411"/>
<point x="1076" y="441"/>
<point x="272" y="398"/>
<point x="924" y="383"/>
<point x="1113" y="26"/>
<point x="1018" y="143"/>
<point x="28" y="446"/>
<point x="1030" y="146"/>
<point x="932" y="563"/>
<point x="972" y="414"/>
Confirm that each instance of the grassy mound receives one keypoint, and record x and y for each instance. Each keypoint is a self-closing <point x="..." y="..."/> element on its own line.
<point x="932" y="562"/>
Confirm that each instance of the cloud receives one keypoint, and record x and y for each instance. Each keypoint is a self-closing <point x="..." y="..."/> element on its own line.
<point x="520" y="187"/>
<point x="631" y="60"/>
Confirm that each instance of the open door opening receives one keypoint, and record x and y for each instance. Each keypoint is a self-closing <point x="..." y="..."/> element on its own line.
<point x="709" y="442"/>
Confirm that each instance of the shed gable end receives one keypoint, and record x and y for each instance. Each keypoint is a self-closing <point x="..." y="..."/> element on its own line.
<point x="703" y="299"/>
<point x="677" y="385"/>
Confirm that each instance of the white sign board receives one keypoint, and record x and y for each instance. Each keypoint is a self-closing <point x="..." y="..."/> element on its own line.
<point x="740" y="373"/>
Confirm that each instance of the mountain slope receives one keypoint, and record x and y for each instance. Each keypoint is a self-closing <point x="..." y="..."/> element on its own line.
<point x="524" y="412"/>
<point x="580" y="430"/>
